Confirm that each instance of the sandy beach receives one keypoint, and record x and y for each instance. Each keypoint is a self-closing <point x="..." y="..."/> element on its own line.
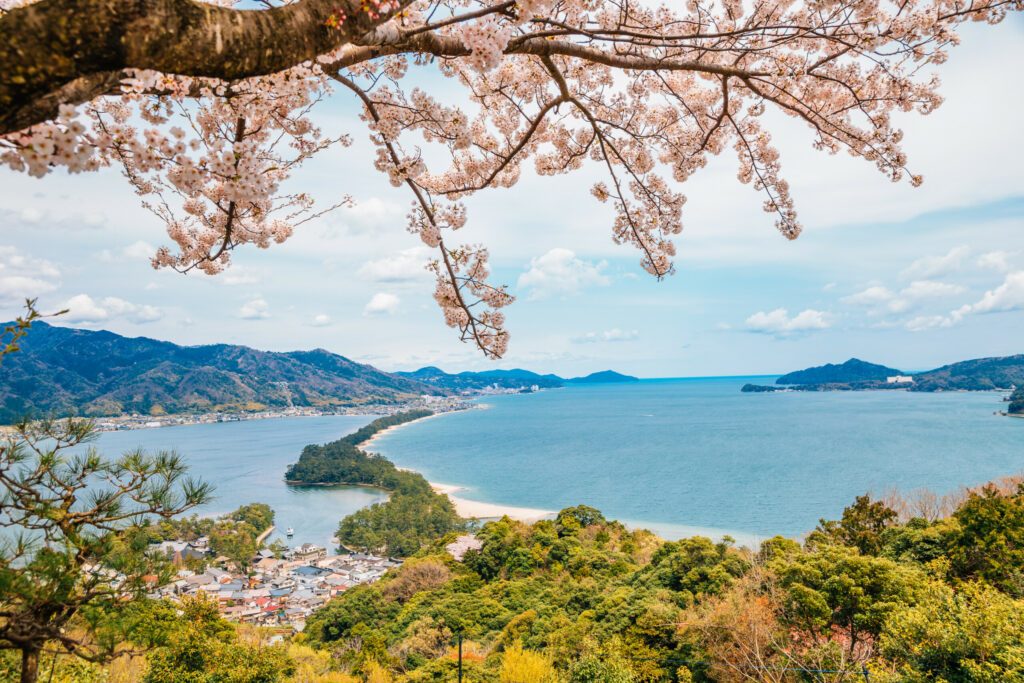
<point x="365" y="445"/>
<point x="474" y="509"/>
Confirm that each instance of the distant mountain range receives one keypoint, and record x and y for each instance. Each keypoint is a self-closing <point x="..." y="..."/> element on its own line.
<point x="507" y="379"/>
<point x="981" y="374"/>
<point x="67" y="371"/>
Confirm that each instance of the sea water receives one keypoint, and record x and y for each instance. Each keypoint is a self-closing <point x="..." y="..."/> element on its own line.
<point x="678" y="456"/>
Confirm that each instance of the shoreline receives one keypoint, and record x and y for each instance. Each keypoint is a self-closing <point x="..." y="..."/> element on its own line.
<point x="475" y="509"/>
<point x="365" y="444"/>
<point x="470" y="509"/>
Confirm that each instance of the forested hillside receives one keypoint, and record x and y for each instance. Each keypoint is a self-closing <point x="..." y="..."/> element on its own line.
<point x="67" y="371"/>
<point x="899" y="592"/>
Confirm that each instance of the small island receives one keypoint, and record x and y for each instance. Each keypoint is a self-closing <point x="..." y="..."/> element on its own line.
<point x="603" y="377"/>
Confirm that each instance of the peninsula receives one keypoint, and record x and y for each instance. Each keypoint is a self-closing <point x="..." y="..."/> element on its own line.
<point x="344" y="462"/>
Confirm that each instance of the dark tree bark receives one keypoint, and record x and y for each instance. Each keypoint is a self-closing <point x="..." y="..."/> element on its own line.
<point x="70" y="51"/>
<point x="29" y="666"/>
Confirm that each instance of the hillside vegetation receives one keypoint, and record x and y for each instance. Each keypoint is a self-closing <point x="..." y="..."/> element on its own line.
<point x="65" y="371"/>
<point x="909" y="597"/>
<point x="981" y="374"/>
<point x="853" y="370"/>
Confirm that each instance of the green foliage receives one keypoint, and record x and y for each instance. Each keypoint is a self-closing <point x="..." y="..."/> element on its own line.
<point x="364" y="434"/>
<point x="402" y="525"/>
<point x="990" y="542"/>
<point x="259" y="516"/>
<point x="343" y="462"/>
<point x="837" y="587"/>
<point x="592" y="669"/>
<point x="205" y="649"/>
<point x="862" y="526"/>
<point x="80" y="558"/>
<point x="694" y="567"/>
<point x="1016" y="406"/>
<point x="974" y="633"/>
<point x="235" y="541"/>
<point x="411" y="519"/>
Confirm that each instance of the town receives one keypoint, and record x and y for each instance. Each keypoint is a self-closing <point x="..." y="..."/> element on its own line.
<point x="273" y="591"/>
<point x="436" y="404"/>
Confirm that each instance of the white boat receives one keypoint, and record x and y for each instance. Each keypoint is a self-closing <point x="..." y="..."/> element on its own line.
<point x="290" y="532"/>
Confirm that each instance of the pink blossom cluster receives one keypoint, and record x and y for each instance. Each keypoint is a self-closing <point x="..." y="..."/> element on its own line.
<point x="646" y="92"/>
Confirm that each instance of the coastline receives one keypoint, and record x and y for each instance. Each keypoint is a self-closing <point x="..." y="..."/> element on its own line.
<point x="470" y="509"/>
<point x="475" y="509"/>
<point x="365" y="444"/>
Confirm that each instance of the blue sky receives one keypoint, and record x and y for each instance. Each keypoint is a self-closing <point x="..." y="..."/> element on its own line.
<point x="908" y="277"/>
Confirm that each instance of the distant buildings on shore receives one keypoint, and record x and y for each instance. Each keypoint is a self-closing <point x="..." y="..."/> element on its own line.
<point x="899" y="379"/>
<point x="437" y="404"/>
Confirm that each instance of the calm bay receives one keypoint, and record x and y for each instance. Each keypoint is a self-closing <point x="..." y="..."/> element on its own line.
<point x="678" y="456"/>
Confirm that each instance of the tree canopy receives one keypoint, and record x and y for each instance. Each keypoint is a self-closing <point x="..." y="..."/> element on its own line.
<point x="209" y="108"/>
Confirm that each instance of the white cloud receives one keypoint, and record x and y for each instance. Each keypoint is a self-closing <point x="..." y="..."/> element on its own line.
<point x="927" y="322"/>
<point x="929" y="289"/>
<point x="25" y="277"/>
<point x="872" y="296"/>
<point x="31" y="215"/>
<point x="932" y="266"/>
<point x="136" y="251"/>
<point x="995" y="260"/>
<point x="906" y="298"/>
<point x="382" y="303"/>
<point x="320" y="320"/>
<point x="612" y="335"/>
<point x="365" y="217"/>
<point x="82" y="308"/>
<point x="407" y="265"/>
<point x="239" y="275"/>
<point x="257" y="309"/>
<point x="560" y="272"/>
<point x="920" y="290"/>
<point x="139" y="250"/>
<point x="1008" y="296"/>
<point x="779" y="323"/>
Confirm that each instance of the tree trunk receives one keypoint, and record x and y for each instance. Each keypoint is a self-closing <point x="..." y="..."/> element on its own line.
<point x="70" y="51"/>
<point x="29" y="666"/>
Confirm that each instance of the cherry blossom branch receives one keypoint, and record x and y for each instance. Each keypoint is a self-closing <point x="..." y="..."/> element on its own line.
<point x="486" y="330"/>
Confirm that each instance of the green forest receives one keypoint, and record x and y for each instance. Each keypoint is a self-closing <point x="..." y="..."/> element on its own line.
<point x="343" y="462"/>
<point x="879" y="595"/>
<point x="412" y="516"/>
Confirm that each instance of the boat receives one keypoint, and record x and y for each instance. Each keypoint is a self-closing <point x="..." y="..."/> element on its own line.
<point x="290" y="532"/>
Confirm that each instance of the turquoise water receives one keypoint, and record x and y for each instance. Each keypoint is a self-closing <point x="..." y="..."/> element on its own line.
<point x="679" y="456"/>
